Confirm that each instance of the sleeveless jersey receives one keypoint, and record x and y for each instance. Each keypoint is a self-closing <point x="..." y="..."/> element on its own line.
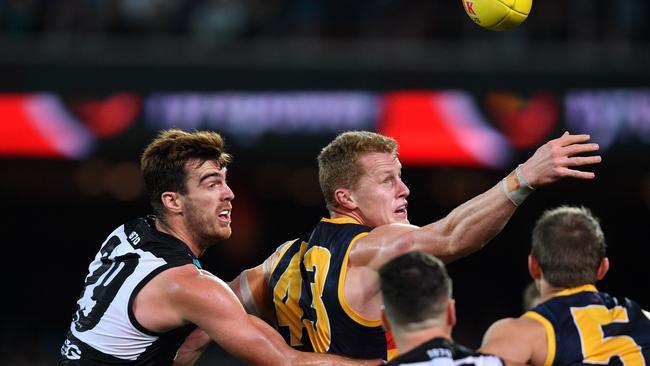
<point x="587" y="327"/>
<point x="104" y="330"/>
<point x="307" y="290"/>
<point x="442" y="352"/>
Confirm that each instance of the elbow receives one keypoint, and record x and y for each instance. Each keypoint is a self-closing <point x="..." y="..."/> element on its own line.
<point x="452" y="249"/>
<point x="293" y="357"/>
<point x="461" y="244"/>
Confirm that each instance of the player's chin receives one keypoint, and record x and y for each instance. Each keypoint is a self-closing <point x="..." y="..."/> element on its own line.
<point x="401" y="218"/>
<point x="223" y="233"/>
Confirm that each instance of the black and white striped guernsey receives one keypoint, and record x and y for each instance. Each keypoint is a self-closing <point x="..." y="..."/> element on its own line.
<point x="442" y="352"/>
<point x="104" y="330"/>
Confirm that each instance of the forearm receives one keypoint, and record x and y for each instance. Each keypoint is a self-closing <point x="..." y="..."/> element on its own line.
<point x="187" y="358"/>
<point x="192" y="349"/>
<point x="320" y="359"/>
<point x="468" y="227"/>
<point x="293" y="357"/>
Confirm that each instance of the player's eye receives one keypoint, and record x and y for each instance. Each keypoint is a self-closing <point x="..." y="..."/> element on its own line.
<point x="213" y="183"/>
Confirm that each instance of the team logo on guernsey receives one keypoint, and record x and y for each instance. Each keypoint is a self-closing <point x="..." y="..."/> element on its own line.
<point x="439" y="353"/>
<point x="70" y="351"/>
<point x="134" y="238"/>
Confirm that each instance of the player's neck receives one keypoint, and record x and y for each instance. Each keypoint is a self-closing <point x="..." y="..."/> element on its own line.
<point x="180" y="233"/>
<point x="408" y="340"/>
<point x="341" y="213"/>
<point x="547" y="291"/>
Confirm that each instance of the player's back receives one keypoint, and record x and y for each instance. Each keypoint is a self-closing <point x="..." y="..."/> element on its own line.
<point x="587" y="327"/>
<point x="307" y="290"/>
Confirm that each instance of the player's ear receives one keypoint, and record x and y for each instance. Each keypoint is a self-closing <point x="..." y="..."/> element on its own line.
<point x="344" y="198"/>
<point x="602" y="269"/>
<point x="172" y="202"/>
<point x="533" y="268"/>
<point x="451" y="312"/>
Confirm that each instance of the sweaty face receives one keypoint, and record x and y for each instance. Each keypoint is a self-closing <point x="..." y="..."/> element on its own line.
<point x="208" y="202"/>
<point x="380" y="194"/>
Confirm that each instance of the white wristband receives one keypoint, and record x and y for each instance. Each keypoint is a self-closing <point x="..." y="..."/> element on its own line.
<point x="516" y="187"/>
<point x="522" y="180"/>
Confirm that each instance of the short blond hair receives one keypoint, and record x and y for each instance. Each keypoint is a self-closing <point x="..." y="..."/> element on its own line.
<point x="338" y="162"/>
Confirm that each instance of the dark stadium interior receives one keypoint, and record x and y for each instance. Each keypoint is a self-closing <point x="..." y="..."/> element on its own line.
<point x="161" y="54"/>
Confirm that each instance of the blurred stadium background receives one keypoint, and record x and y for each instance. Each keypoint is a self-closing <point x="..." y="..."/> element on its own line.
<point x="85" y="84"/>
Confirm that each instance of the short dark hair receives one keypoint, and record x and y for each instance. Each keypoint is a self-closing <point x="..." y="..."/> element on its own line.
<point x="569" y="246"/>
<point x="163" y="161"/>
<point x="415" y="287"/>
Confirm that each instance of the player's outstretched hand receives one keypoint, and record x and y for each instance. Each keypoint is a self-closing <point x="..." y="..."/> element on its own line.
<point x="555" y="159"/>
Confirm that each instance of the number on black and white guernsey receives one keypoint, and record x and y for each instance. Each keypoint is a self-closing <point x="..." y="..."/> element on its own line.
<point x="104" y="283"/>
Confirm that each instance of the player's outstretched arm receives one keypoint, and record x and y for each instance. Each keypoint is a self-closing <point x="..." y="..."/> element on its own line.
<point x="471" y="225"/>
<point x="308" y="358"/>
<point x="208" y="302"/>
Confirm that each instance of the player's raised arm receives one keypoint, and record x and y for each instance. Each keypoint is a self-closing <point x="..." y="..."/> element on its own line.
<point x="471" y="225"/>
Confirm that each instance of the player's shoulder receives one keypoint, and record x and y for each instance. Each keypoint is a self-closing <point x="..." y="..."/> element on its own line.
<point x="186" y="278"/>
<point x="191" y="273"/>
<point x="282" y="248"/>
<point x="526" y="325"/>
<point x="514" y="339"/>
<point x="395" y="227"/>
<point x="504" y="324"/>
<point x="389" y="233"/>
<point x="189" y="284"/>
<point x="372" y="248"/>
<point x="169" y="277"/>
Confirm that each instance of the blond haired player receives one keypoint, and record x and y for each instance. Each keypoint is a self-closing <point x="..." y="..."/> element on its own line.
<point x="322" y="289"/>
